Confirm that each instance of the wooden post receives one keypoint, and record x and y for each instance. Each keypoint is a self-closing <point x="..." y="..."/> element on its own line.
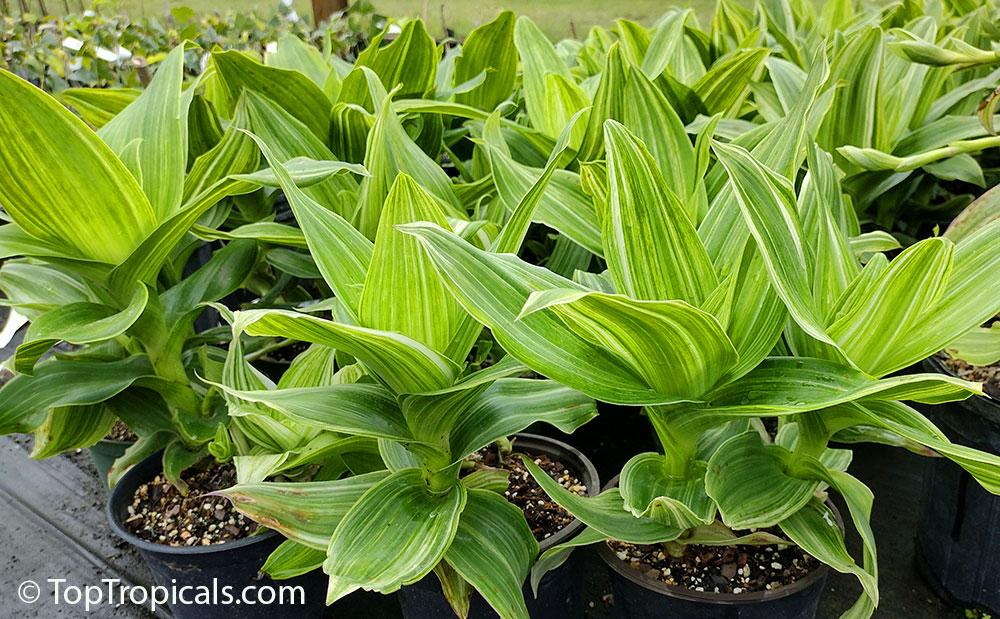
<point x="142" y="69"/>
<point x="41" y="5"/>
<point x="323" y="9"/>
<point x="66" y="6"/>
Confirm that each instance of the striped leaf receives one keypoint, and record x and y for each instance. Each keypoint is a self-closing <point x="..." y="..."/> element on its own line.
<point x="103" y="224"/>
<point x="158" y="120"/>
<point x="726" y="84"/>
<point x="290" y="90"/>
<point x="359" y="409"/>
<point x="393" y="536"/>
<point x="770" y="212"/>
<point x="306" y="512"/>
<point x="77" y="323"/>
<point x="97" y="106"/>
<point x="749" y="481"/>
<point x="651" y="245"/>
<point x="649" y="490"/>
<point x="784" y="385"/>
<point x="493" y="551"/>
<point x="342" y="253"/>
<point x="488" y="48"/>
<point x="605" y="512"/>
<point x="422" y="307"/>
<point x="494" y="288"/>
<point x="648" y="337"/>
<point x="816" y="531"/>
<point x="25" y="400"/>
<point x="538" y="59"/>
<point x="72" y="427"/>
<point x="510" y="405"/>
<point x="876" y="332"/>
<point x="405" y="365"/>
<point x="390" y="151"/>
<point x="294" y="54"/>
<point x="292" y="559"/>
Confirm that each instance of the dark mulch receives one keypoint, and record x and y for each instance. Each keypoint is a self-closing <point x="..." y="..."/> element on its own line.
<point x="160" y="514"/>
<point x="720" y="569"/>
<point x="121" y="432"/>
<point x="544" y="515"/>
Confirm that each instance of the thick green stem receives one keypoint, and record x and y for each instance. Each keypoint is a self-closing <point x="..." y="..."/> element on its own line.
<point x="679" y="439"/>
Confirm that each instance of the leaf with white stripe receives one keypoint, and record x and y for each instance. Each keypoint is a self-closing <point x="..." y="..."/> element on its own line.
<point x="678" y="349"/>
<point x="651" y="245"/>
<point x="769" y="210"/>
<point x="404" y="364"/>
<point x="393" y="536"/>
<point x="493" y="550"/>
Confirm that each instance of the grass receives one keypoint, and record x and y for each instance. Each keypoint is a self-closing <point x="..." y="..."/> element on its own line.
<point x="557" y="18"/>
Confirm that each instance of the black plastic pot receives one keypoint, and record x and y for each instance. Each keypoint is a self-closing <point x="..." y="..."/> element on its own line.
<point x="104" y="453"/>
<point x="958" y="539"/>
<point x="559" y="592"/>
<point x="639" y="597"/>
<point x="233" y="564"/>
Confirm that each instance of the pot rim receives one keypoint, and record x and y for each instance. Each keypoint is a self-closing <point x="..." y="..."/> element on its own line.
<point x="141" y="473"/>
<point x="587" y="473"/>
<point x="709" y="597"/>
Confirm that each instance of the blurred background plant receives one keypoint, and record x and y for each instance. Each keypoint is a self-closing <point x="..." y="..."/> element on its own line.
<point x="105" y="46"/>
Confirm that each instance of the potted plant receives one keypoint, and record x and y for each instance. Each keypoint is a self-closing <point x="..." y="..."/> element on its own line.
<point x="427" y="511"/>
<point x="954" y="552"/>
<point x="104" y="269"/>
<point x="665" y="304"/>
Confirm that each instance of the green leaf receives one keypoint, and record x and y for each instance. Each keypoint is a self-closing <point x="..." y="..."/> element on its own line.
<point x="649" y="490"/>
<point x="360" y="409"/>
<point x="651" y="245"/>
<point x="294" y="54"/>
<point x="393" y="536"/>
<point x="406" y="366"/>
<point x="158" y="119"/>
<point x="77" y="323"/>
<point x="538" y="59"/>
<point x="648" y="336"/>
<point x="770" y="211"/>
<point x="97" y="106"/>
<point x="107" y="222"/>
<point x="72" y="427"/>
<point x="605" y="512"/>
<point x="305" y="512"/>
<point x="25" y="399"/>
<point x="290" y="90"/>
<point x="422" y="307"/>
<point x="493" y="550"/>
<point x="292" y="559"/>
<point x="488" y="48"/>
